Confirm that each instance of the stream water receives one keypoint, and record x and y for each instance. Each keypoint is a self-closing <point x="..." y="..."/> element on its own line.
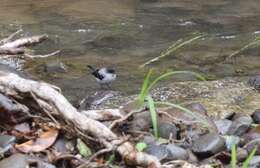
<point x="126" y="33"/>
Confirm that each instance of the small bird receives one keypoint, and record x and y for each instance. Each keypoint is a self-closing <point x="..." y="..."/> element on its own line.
<point x="104" y="76"/>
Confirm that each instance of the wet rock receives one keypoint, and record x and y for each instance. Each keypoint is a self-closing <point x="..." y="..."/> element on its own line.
<point x="223" y="126"/>
<point x="254" y="162"/>
<point x="242" y="154"/>
<point x="61" y="145"/>
<point x="22" y="161"/>
<point x="149" y="140"/>
<point x="6" y="142"/>
<point x="240" y="125"/>
<point x="141" y="122"/>
<point x="159" y="151"/>
<point x="250" y="136"/>
<point x="55" y="67"/>
<point x="208" y="144"/>
<point x="254" y="81"/>
<point x="192" y="158"/>
<point x="167" y="130"/>
<point x="252" y="144"/>
<point x="256" y="116"/>
<point x="176" y="152"/>
<point x="197" y="107"/>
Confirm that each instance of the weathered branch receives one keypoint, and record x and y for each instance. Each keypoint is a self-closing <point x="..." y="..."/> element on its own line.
<point x="12" y="51"/>
<point x="10" y="37"/>
<point x="15" y="86"/>
<point x="22" y="42"/>
<point x="103" y="115"/>
<point x="42" y="56"/>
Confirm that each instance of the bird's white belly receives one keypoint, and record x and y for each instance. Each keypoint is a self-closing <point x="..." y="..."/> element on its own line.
<point x="108" y="78"/>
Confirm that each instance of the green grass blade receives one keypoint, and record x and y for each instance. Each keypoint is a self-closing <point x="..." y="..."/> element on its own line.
<point x="197" y="116"/>
<point x="178" y="44"/>
<point x="233" y="156"/>
<point x="254" y="43"/>
<point x="175" y="73"/>
<point x="144" y="89"/>
<point x="249" y="158"/>
<point x="153" y="113"/>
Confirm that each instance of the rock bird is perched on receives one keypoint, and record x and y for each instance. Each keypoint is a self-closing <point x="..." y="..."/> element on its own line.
<point x="103" y="75"/>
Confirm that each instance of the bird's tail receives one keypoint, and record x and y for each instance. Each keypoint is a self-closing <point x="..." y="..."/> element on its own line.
<point x="91" y="67"/>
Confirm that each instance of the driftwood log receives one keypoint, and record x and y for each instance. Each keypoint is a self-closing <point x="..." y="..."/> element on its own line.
<point x="48" y="99"/>
<point x="8" y="46"/>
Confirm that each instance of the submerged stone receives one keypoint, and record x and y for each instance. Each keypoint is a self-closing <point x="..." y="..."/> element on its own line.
<point x="55" y="67"/>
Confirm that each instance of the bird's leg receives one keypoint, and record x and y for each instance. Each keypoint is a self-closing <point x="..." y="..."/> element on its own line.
<point x="101" y="86"/>
<point x="108" y="86"/>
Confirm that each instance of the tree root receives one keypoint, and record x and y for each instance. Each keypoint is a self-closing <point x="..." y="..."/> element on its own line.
<point x="48" y="99"/>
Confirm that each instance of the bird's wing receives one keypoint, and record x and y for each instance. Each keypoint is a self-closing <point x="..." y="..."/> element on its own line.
<point x="97" y="75"/>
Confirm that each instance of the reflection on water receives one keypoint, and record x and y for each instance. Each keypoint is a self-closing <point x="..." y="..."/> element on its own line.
<point x="126" y="33"/>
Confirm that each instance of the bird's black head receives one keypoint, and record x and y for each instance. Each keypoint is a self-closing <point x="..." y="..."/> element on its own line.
<point x="112" y="71"/>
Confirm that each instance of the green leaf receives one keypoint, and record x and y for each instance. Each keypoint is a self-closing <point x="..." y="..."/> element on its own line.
<point x="111" y="159"/>
<point x="153" y="113"/>
<point x="140" y="146"/>
<point x="83" y="149"/>
<point x="249" y="158"/>
<point x="144" y="90"/>
<point x="233" y="156"/>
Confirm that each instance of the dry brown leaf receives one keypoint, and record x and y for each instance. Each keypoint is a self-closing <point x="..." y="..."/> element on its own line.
<point x="45" y="140"/>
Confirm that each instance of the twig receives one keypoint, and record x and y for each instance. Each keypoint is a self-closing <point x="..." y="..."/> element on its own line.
<point x="139" y="132"/>
<point x="42" y="56"/>
<point x="183" y="164"/>
<point x="85" y="136"/>
<point x="45" y="110"/>
<point x="100" y="152"/>
<point x="68" y="156"/>
<point x="103" y="115"/>
<point x="125" y="117"/>
<point x="179" y="121"/>
<point x="10" y="37"/>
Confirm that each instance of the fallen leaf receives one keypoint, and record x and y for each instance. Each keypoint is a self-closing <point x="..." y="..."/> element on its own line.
<point x="45" y="140"/>
<point x="83" y="149"/>
<point x="23" y="128"/>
